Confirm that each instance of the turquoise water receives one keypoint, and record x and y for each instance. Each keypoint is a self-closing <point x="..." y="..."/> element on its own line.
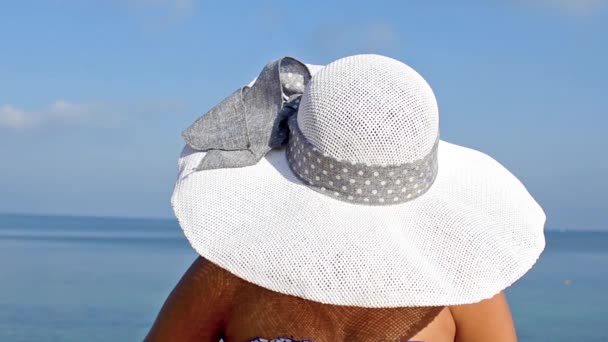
<point x="93" y="279"/>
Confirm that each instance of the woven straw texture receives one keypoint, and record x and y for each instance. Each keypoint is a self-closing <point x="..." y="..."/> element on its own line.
<point x="369" y="109"/>
<point x="472" y="234"/>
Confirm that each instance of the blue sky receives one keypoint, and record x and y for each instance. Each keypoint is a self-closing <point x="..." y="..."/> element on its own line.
<point x="94" y="94"/>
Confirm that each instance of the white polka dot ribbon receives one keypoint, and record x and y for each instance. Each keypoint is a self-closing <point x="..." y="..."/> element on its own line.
<point x="359" y="182"/>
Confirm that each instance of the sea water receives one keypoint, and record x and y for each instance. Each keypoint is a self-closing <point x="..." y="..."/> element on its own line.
<point x="104" y="279"/>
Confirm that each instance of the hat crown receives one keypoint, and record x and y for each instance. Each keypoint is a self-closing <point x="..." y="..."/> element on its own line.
<point x="369" y="109"/>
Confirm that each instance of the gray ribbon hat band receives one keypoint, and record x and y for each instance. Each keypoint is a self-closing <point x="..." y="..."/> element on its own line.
<point x="359" y="182"/>
<point x="242" y="128"/>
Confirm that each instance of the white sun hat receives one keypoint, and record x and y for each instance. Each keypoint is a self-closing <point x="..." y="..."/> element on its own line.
<point x="330" y="183"/>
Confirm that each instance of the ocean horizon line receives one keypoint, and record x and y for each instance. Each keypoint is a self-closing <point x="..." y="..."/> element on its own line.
<point x="89" y="216"/>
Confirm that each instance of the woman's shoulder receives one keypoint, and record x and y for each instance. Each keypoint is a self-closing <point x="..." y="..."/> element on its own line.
<point x="197" y="307"/>
<point x="487" y="320"/>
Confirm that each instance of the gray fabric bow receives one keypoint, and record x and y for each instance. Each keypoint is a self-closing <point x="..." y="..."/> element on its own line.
<point x="242" y="128"/>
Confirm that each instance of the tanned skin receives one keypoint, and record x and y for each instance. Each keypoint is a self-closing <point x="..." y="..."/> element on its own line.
<point x="201" y="308"/>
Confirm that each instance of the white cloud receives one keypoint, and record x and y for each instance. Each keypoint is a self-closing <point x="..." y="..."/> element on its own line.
<point x="337" y="39"/>
<point x="379" y="36"/>
<point x="175" y="5"/>
<point x="96" y="115"/>
<point x="59" y="111"/>
<point x="574" y="7"/>
<point x="63" y="110"/>
<point x="12" y="117"/>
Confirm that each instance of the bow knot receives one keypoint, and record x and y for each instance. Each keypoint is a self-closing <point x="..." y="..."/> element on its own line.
<point x="243" y="127"/>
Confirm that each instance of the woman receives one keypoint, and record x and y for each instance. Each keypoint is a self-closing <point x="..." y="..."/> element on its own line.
<point x="325" y="207"/>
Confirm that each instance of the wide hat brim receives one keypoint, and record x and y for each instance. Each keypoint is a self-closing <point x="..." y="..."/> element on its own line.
<point x="471" y="235"/>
